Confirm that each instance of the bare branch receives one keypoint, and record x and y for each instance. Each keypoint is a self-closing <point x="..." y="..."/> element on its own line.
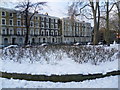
<point x="111" y="7"/>
<point x="84" y="6"/>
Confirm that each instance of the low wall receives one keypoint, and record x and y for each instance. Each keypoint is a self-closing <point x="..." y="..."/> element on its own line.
<point x="57" y="78"/>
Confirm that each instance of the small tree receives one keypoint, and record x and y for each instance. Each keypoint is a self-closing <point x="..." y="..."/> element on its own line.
<point x="29" y="9"/>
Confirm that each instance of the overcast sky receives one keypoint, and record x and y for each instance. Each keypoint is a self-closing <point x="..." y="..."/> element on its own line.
<point x="56" y="8"/>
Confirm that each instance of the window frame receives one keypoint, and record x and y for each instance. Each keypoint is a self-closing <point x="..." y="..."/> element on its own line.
<point x="11" y="29"/>
<point x="10" y="15"/>
<point x="20" y="31"/>
<point x="4" y="13"/>
<point x="2" y="21"/>
<point x="5" y="31"/>
<point x="12" y="22"/>
<point x="18" y="21"/>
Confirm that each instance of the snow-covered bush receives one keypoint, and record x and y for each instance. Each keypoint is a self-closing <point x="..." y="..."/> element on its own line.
<point x="53" y="54"/>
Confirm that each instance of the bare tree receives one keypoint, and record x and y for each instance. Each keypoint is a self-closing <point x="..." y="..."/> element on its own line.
<point x="108" y="10"/>
<point x="95" y="15"/>
<point x="29" y="9"/>
<point x="108" y="6"/>
<point x="96" y="11"/>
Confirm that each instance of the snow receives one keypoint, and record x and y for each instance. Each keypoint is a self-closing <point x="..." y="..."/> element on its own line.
<point x="11" y="46"/>
<point x="63" y="67"/>
<point x="60" y="67"/>
<point x="107" y="82"/>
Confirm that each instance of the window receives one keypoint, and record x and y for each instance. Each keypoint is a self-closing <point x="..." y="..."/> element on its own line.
<point x="36" y="18"/>
<point x="47" y="19"/>
<point x="5" y="41"/>
<point x="18" y="23"/>
<point x="3" y="13"/>
<point x="32" y="31"/>
<point x="56" y="33"/>
<point x="47" y="33"/>
<point x="44" y="40"/>
<point x="11" y="22"/>
<point x="37" y="31"/>
<point x="37" y="24"/>
<point x="47" y="25"/>
<point x="24" y="31"/>
<point x="11" y="14"/>
<point x="56" y="21"/>
<point x="52" y="20"/>
<point x="42" y="24"/>
<point x="56" y="26"/>
<point x="4" y="31"/>
<point x="19" y="32"/>
<point x="42" y="19"/>
<point x="52" y="33"/>
<point x="24" y="23"/>
<point x="20" y="41"/>
<point x="52" y="26"/>
<point x="39" y="40"/>
<point x="3" y="21"/>
<point x="42" y="33"/>
<point x="53" y="40"/>
<point x="31" y="23"/>
<point x="11" y="32"/>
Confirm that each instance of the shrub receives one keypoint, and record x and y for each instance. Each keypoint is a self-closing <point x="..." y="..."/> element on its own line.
<point x="53" y="54"/>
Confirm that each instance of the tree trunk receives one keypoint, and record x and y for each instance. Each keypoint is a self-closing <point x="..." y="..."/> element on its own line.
<point x="96" y="23"/>
<point x="107" y="32"/>
<point x="27" y="27"/>
<point x="95" y="37"/>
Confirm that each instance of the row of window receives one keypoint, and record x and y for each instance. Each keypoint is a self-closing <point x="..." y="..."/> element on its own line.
<point x="4" y="14"/>
<point x="49" y="19"/>
<point x="70" y="28"/>
<point x="44" y="40"/>
<point x="32" y="24"/>
<point x="77" y="24"/>
<point x="35" y="17"/>
<point x="32" y="32"/>
<point x="20" y="40"/>
<point x="69" y="40"/>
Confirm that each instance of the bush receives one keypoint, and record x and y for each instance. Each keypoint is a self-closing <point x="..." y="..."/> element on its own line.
<point x="53" y="54"/>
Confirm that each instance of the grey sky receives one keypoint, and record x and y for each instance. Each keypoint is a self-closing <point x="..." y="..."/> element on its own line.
<point x="57" y="8"/>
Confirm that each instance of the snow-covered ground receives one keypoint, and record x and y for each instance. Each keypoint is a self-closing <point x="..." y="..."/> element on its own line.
<point x="60" y="67"/>
<point x="108" y="82"/>
<point x="66" y="66"/>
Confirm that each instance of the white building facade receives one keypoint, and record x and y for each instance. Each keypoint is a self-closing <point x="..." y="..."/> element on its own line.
<point x="43" y="29"/>
<point x="76" y="31"/>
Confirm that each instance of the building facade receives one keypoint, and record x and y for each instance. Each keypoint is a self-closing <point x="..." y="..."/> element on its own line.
<point x="76" y="31"/>
<point x="43" y="29"/>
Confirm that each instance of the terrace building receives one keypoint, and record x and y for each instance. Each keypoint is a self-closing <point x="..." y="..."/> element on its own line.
<point x="76" y="31"/>
<point x="43" y="29"/>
